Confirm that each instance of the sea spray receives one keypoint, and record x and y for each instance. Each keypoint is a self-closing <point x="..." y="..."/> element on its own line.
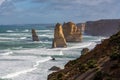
<point x="6" y="53"/>
<point x="15" y="74"/>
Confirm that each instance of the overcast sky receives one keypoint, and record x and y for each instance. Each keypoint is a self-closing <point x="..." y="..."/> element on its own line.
<point x="52" y="11"/>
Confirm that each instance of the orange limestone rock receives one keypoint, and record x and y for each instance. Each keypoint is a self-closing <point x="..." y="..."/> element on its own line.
<point x="71" y="32"/>
<point x="59" y="40"/>
<point x="34" y="35"/>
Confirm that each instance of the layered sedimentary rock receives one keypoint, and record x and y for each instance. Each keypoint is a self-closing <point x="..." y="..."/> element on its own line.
<point x="101" y="63"/>
<point x="102" y="27"/>
<point x="59" y="40"/>
<point x="34" y="35"/>
<point x="71" y="32"/>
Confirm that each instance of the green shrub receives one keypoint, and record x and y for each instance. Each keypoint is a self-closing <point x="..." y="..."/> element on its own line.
<point x="113" y="56"/>
<point x="99" y="76"/>
<point x="115" y="53"/>
<point x="92" y="63"/>
<point x="59" y="76"/>
<point x="83" y="67"/>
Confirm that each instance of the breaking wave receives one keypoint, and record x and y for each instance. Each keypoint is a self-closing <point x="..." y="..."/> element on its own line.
<point x="12" y="75"/>
<point x="6" y="53"/>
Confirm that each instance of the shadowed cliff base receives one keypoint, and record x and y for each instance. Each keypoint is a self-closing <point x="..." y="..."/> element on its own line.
<point x="101" y="63"/>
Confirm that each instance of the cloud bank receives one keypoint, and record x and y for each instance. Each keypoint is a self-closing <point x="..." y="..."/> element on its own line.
<point x="52" y="11"/>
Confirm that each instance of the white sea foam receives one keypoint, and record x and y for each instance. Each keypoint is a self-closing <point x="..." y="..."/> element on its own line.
<point x="17" y="47"/>
<point x="49" y="42"/>
<point x="6" y="53"/>
<point x="26" y="30"/>
<point x="61" y="53"/>
<point x="76" y="46"/>
<point x="43" y="30"/>
<point x="9" y="31"/>
<point x="7" y="38"/>
<point x="41" y="61"/>
<point x="23" y="38"/>
<point x="15" y="74"/>
<point x="99" y="39"/>
<point x="46" y="35"/>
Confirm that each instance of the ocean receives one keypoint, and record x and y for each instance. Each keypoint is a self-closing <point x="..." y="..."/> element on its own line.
<point x="23" y="59"/>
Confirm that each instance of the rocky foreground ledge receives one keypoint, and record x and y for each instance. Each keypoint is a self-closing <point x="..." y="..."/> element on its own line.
<point x="101" y="63"/>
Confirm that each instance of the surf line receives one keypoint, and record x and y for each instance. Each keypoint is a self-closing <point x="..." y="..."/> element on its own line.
<point x="15" y="74"/>
<point x="6" y="53"/>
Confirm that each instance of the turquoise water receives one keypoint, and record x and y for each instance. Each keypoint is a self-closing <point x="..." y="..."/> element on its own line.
<point x="23" y="59"/>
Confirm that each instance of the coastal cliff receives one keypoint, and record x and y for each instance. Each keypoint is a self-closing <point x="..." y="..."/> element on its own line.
<point x="101" y="63"/>
<point x="59" y="40"/>
<point x="71" y="32"/>
<point x="105" y="27"/>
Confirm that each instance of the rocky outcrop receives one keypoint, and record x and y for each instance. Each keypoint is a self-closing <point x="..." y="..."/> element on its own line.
<point x="54" y="68"/>
<point x="102" y="27"/>
<point x="34" y="35"/>
<point x="71" y="32"/>
<point x="84" y="51"/>
<point x="59" y="40"/>
<point x="101" y="63"/>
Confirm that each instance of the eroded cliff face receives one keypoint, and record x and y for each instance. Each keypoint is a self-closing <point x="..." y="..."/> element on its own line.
<point x="34" y="35"/>
<point x="82" y="27"/>
<point x="102" y="27"/>
<point x="59" y="39"/>
<point x="71" y="32"/>
<point x="101" y="63"/>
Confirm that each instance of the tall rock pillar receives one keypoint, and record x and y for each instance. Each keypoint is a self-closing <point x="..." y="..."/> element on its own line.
<point x="59" y="39"/>
<point x="34" y="35"/>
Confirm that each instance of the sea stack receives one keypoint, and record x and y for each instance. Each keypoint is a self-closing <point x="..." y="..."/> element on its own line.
<point x="34" y="35"/>
<point x="59" y="40"/>
<point x="71" y="32"/>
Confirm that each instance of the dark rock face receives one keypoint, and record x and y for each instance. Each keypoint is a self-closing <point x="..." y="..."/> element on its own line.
<point x="54" y="68"/>
<point x="101" y="63"/>
<point x="84" y="51"/>
<point x="102" y="27"/>
<point x="34" y="35"/>
<point x="59" y="40"/>
<point x="71" y="32"/>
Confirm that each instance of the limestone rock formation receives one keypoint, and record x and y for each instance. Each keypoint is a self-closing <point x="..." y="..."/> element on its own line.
<point x="34" y="35"/>
<point x="59" y="40"/>
<point x="101" y="63"/>
<point x="71" y="32"/>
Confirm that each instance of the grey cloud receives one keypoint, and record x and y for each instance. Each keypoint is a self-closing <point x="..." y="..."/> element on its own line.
<point x="6" y="7"/>
<point x="84" y="2"/>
